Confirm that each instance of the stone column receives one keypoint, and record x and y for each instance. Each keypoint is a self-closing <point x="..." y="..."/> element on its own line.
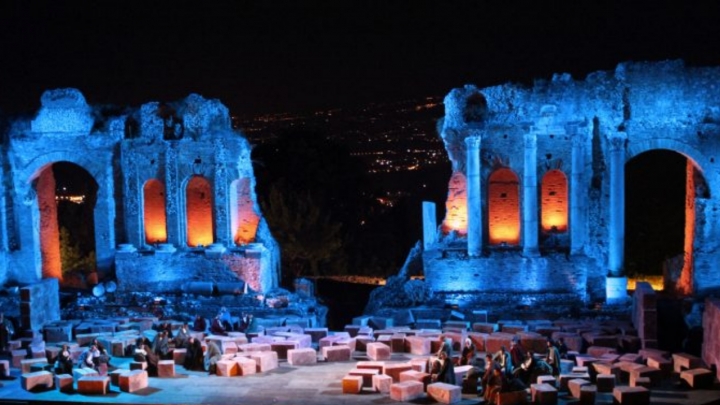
<point x="474" y="206"/>
<point x="174" y="198"/>
<point x="616" y="283"/>
<point x="429" y="224"/>
<point x="530" y="197"/>
<point x="578" y="201"/>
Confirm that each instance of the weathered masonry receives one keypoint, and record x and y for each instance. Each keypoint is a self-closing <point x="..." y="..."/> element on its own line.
<point x="536" y="200"/>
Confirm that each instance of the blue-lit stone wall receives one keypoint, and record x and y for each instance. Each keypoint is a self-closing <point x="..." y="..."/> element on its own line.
<point x="573" y="124"/>
<point x="122" y="149"/>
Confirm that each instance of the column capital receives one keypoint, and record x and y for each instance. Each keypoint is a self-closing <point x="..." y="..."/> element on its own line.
<point x="617" y="140"/>
<point x="473" y="141"/>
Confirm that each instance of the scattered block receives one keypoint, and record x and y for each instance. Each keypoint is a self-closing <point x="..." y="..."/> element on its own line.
<point x="654" y="374"/>
<point x="394" y="370"/>
<point x="575" y="385"/>
<point x="381" y="383"/>
<point x="407" y="391"/>
<point x="547" y="379"/>
<point x="138" y="365"/>
<point x="246" y="365"/>
<point x="665" y="365"/>
<point x="412" y="375"/>
<point x="566" y="366"/>
<point x="352" y="384"/>
<point x="366" y="373"/>
<point x="301" y="357"/>
<point x="444" y="393"/>
<point x="698" y="377"/>
<point x="377" y="351"/>
<point x="565" y="378"/>
<point x="64" y="382"/>
<point x="226" y="368"/>
<point x="605" y="382"/>
<point x="684" y="361"/>
<point x="511" y="397"/>
<point x="179" y="356"/>
<point x="631" y="395"/>
<point x="133" y="380"/>
<point x="418" y="345"/>
<point x="79" y="373"/>
<point x="26" y="365"/>
<point x="264" y="360"/>
<point x="282" y="347"/>
<point x="543" y="394"/>
<point x="95" y="384"/>
<point x="588" y="393"/>
<point x="37" y="380"/>
<point x="115" y="376"/>
<point x="641" y="382"/>
<point x="166" y="368"/>
<point x="336" y="353"/>
<point x="374" y="365"/>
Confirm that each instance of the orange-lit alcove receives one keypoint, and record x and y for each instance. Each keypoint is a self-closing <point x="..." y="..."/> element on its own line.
<point x="244" y="220"/>
<point x="554" y="201"/>
<point x="503" y="208"/>
<point x="198" y="203"/>
<point x="154" y="212"/>
<point x="456" y="205"/>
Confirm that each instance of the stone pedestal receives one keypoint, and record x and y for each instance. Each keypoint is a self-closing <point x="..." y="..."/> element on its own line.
<point x="616" y="290"/>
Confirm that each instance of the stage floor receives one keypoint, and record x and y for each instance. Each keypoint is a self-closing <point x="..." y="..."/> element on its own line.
<point x="314" y="384"/>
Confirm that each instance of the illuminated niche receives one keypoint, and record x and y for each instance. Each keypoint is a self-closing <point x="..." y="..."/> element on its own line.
<point x="456" y="206"/>
<point x="243" y="218"/>
<point x="154" y="216"/>
<point x="554" y="201"/>
<point x="198" y="203"/>
<point x="503" y="208"/>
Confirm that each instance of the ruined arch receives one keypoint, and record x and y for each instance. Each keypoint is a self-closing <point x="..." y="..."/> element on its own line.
<point x="244" y="219"/>
<point x="503" y="207"/>
<point x="154" y="212"/>
<point x="63" y="212"/>
<point x="199" y="212"/>
<point x="673" y="213"/>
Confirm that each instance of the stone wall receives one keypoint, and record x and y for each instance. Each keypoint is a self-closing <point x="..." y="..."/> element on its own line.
<point x="581" y="128"/>
<point x="711" y="334"/>
<point x="169" y="145"/>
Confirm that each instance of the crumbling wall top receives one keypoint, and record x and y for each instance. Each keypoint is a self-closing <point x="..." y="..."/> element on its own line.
<point x="63" y="110"/>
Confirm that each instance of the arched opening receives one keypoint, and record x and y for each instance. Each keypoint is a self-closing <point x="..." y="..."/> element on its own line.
<point x="456" y="206"/>
<point x="198" y="204"/>
<point x="659" y="224"/>
<point x="154" y="217"/>
<point x="554" y="202"/>
<point x="243" y="218"/>
<point x="503" y="208"/>
<point x="66" y="196"/>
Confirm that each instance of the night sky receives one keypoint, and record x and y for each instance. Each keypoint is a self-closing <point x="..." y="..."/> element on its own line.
<point x="293" y="56"/>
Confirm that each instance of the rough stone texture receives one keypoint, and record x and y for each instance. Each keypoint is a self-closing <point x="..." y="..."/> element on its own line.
<point x="336" y="353"/>
<point x="166" y="368"/>
<point x="40" y="303"/>
<point x="711" y="334"/>
<point x="352" y="384"/>
<point x="394" y="370"/>
<point x="265" y="360"/>
<point x="574" y="386"/>
<point x="301" y="357"/>
<point x="444" y="393"/>
<point x="572" y="125"/>
<point x="98" y="385"/>
<point x="36" y="380"/>
<point x="168" y="145"/>
<point x="133" y="381"/>
<point x="381" y="383"/>
<point x="378" y="351"/>
<point x="406" y="391"/>
<point x="64" y="383"/>
<point x="366" y="373"/>
<point x="684" y="361"/>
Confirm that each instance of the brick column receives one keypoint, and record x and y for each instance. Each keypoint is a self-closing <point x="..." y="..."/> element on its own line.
<point x="474" y="206"/>
<point x="530" y="197"/>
